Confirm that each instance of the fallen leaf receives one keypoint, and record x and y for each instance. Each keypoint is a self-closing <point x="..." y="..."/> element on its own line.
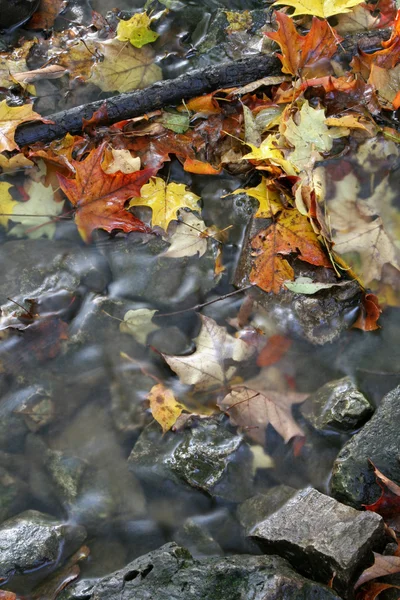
<point x="7" y="203"/>
<point x="252" y="408"/>
<point x="14" y="62"/>
<point x="175" y="121"/>
<point x="188" y="238"/>
<point x="387" y="85"/>
<point x="373" y="590"/>
<point x="370" y="311"/>
<point x="309" y="135"/>
<point x="99" y="117"/>
<point x="36" y="216"/>
<point x="206" y="367"/>
<point x="100" y="198"/>
<point x="269" y="151"/>
<point x="136" y="30"/>
<point x="192" y="165"/>
<point x="274" y="350"/>
<point x="388" y="505"/>
<point x="122" y="160"/>
<point x="290" y="233"/>
<point x="320" y="8"/>
<point x="238" y="21"/>
<point x="302" y="51"/>
<point x="206" y="104"/>
<point x="138" y="323"/>
<point x="383" y="565"/>
<point x="267" y="196"/>
<point x="15" y="163"/>
<point x="164" y="407"/>
<point x="165" y="200"/>
<point x="10" y="118"/>
<point x="49" y="72"/>
<point x="57" y="581"/>
<point x="124" y="68"/>
<point x="46" y="14"/>
<point x="305" y="285"/>
<point x="4" y="595"/>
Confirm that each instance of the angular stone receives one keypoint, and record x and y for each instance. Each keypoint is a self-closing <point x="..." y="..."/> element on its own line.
<point x="171" y="572"/>
<point x="322" y="538"/>
<point x="259" y="507"/>
<point x="337" y="405"/>
<point x="353" y="480"/>
<point x="33" y="541"/>
<point x="205" y="455"/>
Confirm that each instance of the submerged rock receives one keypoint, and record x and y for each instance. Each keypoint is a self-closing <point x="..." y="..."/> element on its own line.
<point x="353" y="478"/>
<point x="337" y="405"/>
<point x="322" y="538"/>
<point x="33" y="542"/>
<point x="205" y="455"/>
<point x="259" y="507"/>
<point x="171" y="572"/>
<point x="193" y="536"/>
<point x="15" y="12"/>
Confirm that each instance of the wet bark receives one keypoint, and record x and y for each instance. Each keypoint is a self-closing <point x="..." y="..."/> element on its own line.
<point x="173" y="91"/>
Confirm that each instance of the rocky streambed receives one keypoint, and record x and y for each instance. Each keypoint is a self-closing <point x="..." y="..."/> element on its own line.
<point x="97" y="503"/>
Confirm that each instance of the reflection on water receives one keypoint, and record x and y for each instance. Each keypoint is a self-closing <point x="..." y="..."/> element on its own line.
<point x="73" y="408"/>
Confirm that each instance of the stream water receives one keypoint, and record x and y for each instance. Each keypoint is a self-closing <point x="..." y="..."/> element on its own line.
<point x="72" y="409"/>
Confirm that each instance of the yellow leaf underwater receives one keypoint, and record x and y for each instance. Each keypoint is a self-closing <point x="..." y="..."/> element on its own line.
<point x="320" y="8"/>
<point x="136" y="30"/>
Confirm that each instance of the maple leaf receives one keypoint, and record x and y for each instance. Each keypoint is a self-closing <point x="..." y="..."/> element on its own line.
<point x="10" y="118"/>
<point x="15" y="163"/>
<point x="138" y="323"/>
<point x="188" y="238"/>
<point x="267" y="196"/>
<point x="299" y="51"/>
<point x="309" y="135"/>
<point x="206" y="367"/>
<point x="122" y="160"/>
<point x="100" y="198"/>
<point x="320" y="8"/>
<point x="164" y="406"/>
<point x="251" y="407"/>
<point x="136" y="30"/>
<point x="269" y="151"/>
<point x="124" y="68"/>
<point x="290" y="233"/>
<point x="165" y="200"/>
<point x="35" y="215"/>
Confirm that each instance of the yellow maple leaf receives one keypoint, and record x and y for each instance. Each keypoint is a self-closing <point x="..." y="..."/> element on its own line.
<point x="165" y="200"/>
<point x="124" y="68"/>
<point x="268" y="199"/>
<point x="10" y="118"/>
<point x="6" y="203"/>
<point x="269" y="150"/>
<point x="164" y="406"/>
<point x="320" y="8"/>
<point x="136" y="30"/>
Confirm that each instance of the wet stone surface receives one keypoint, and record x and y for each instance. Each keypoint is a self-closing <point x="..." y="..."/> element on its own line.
<point x="171" y="572"/>
<point x="353" y="479"/>
<point x="15" y="12"/>
<point x="205" y="455"/>
<point x="322" y="537"/>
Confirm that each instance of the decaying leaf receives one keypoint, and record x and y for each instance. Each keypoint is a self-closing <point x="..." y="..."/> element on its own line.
<point x="370" y="311"/>
<point x="251" y="407"/>
<point x="383" y="565"/>
<point x="13" y="63"/>
<point x="122" y="160"/>
<point x="136" y="30"/>
<point x="188" y="238"/>
<point x="165" y="200"/>
<point x="10" y="118"/>
<point x="100" y="198"/>
<point x="298" y="51"/>
<point x="269" y="150"/>
<point x="267" y="196"/>
<point x="138" y="323"/>
<point x="36" y="216"/>
<point x="124" y="68"/>
<point x="320" y="8"/>
<point x="45" y="16"/>
<point x="388" y="505"/>
<point x="164" y="406"/>
<point x="275" y="349"/>
<point x="207" y="367"/>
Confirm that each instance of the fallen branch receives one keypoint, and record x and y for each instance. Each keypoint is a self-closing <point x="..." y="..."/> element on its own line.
<point x="173" y="91"/>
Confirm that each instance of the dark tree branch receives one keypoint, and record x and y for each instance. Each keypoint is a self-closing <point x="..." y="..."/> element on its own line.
<point x="173" y="91"/>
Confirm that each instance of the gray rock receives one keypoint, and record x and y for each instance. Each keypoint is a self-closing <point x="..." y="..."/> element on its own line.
<point x="52" y="271"/>
<point x="36" y="542"/>
<point x="205" y="455"/>
<point x="322" y="538"/>
<point x="338" y="405"/>
<point x="353" y="479"/>
<point x="259" y="507"/>
<point x="14" y="494"/>
<point x="197" y="539"/>
<point x="171" y="573"/>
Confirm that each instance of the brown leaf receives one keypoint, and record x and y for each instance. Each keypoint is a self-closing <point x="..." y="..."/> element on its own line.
<point x="164" y="407"/>
<point x="383" y="565"/>
<point x="370" y="311"/>
<point x="275" y="348"/>
<point x="46" y="14"/>
<point x="10" y="118"/>
<point x="303" y="51"/>
<point x="372" y="590"/>
<point x="252" y="408"/>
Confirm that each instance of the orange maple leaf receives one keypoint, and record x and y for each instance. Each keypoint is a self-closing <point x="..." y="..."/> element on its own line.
<point x="290" y="233"/>
<point x="300" y="51"/>
<point x="100" y="198"/>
